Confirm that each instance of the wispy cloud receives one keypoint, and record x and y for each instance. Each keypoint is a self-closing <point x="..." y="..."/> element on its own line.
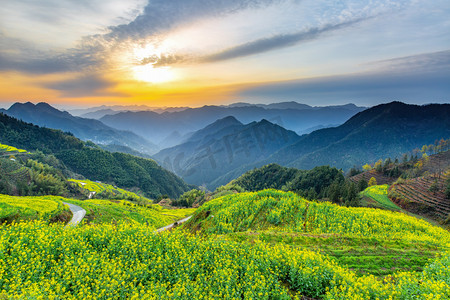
<point x="415" y="82"/>
<point x="277" y="41"/>
<point x="84" y="85"/>
<point x="424" y="62"/>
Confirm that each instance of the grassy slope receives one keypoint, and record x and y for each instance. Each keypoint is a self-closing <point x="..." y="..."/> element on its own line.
<point x="99" y="187"/>
<point x="369" y="241"/>
<point x="48" y="208"/>
<point x="51" y="209"/>
<point x="376" y="196"/>
<point x="107" y="211"/>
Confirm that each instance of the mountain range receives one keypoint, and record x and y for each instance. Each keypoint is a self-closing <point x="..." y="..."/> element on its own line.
<point x="224" y="146"/>
<point x="44" y="115"/>
<point x="227" y="147"/>
<point x="386" y="130"/>
<point x="158" y="127"/>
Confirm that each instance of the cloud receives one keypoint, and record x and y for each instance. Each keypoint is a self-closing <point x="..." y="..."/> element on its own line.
<point x="401" y="81"/>
<point x="276" y="42"/>
<point x="85" y="85"/>
<point x="425" y="62"/>
<point x="93" y="51"/>
<point x="162" y="15"/>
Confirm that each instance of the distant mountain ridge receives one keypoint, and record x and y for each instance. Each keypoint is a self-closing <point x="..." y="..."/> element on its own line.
<point x="290" y="115"/>
<point x="224" y="146"/>
<point x="386" y="130"/>
<point x="45" y="115"/>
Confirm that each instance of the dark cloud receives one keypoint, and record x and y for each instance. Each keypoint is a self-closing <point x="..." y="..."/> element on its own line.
<point x="402" y="80"/>
<point x="92" y="51"/>
<point x="86" y="85"/>
<point x="18" y="55"/>
<point x="276" y="42"/>
<point x="160" y="15"/>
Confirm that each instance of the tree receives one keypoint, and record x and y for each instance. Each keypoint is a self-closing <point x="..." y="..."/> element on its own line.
<point x="379" y="166"/>
<point x="362" y="184"/>
<point x="372" y="181"/>
<point x="367" y="167"/>
<point x="434" y="187"/>
<point x="405" y="158"/>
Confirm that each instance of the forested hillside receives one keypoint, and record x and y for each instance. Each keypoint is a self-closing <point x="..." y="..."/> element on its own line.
<point x="312" y="184"/>
<point x="386" y="130"/>
<point x="89" y="160"/>
<point x="224" y="146"/>
<point x="45" y="115"/>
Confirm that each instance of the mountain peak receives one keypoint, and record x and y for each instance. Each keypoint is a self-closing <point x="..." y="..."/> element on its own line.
<point x="224" y="122"/>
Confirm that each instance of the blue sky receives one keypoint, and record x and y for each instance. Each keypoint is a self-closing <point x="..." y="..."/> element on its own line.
<point x="195" y="52"/>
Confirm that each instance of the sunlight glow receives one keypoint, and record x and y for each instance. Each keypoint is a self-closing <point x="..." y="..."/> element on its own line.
<point x="148" y="73"/>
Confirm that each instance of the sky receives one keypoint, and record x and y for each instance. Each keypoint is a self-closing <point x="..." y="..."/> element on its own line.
<point x="82" y="53"/>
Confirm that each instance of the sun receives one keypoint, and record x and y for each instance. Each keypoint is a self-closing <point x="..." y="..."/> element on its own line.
<point x="149" y="73"/>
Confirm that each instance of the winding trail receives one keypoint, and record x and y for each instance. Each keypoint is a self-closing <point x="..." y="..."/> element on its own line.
<point x="170" y="226"/>
<point x="78" y="214"/>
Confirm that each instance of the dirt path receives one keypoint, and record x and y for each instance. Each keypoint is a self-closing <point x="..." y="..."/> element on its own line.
<point x="78" y="214"/>
<point x="170" y="226"/>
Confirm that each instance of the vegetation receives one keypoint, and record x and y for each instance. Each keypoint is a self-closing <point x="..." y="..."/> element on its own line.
<point x="363" y="255"/>
<point x="124" y="170"/>
<point x="423" y="195"/>
<point x="288" y="212"/>
<point x="107" y="211"/>
<point x="130" y="261"/>
<point x="47" y="208"/>
<point x="191" y="198"/>
<point x="378" y="193"/>
<point x="311" y="184"/>
<point x="75" y="156"/>
<point x="30" y="177"/>
<point x="9" y="150"/>
<point x="106" y="191"/>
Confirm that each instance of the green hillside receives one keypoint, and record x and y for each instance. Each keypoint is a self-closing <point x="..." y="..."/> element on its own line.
<point x="312" y="183"/>
<point x="47" y="208"/>
<point x="90" y="161"/>
<point x="385" y="130"/>
<point x="107" y="211"/>
<point x="370" y="241"/>
<point x="286" y="211"/>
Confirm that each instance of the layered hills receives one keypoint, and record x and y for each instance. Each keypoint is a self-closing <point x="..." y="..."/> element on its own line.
<point x="290" y="115"/>
<point x="44" y="115"/>
<point x="88" y="160"/>
<point x="223" y="146"/>
<point x="386" y="130"/>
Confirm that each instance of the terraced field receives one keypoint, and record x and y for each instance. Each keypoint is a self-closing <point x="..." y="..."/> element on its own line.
<point x="437" y="162"/>
<point x="45" y="208"/>
<point x="418" y="190"/>
<point x="103" y="190"/>
<point x="381" y="179"/>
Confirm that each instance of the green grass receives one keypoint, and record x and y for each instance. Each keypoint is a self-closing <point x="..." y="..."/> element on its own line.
<point x="367" y="240"/>
<point x="47" y="208"/>
<point x="107" y="211"/>
<point x="103" y="190"/>
<point x="378" y="257"/>
<point x="376" y="196"/>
